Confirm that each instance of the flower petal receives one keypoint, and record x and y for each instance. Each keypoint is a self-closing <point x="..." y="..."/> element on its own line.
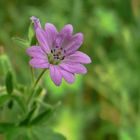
<point x="36" y="51"/>
<point x="59" y="40"/>
<point x="62" y="38"/>
<point x="36" y="22"/>
<point x="67" y="30"/>
<point x="55" y="74"/>
<point x="69" y="77"/>
<point x="78" y="57"/>
<point x="39" y="63"/>
<point x="41" y="37"/>
<point x="51" y="33"/>
<point x="74" y="43"/>
<point x="73" y="67"/>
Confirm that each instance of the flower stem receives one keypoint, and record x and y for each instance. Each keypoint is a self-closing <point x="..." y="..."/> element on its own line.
<point x="32" y="74"/>
<point x="38" y="79"/>
<point x="34" y="86"/>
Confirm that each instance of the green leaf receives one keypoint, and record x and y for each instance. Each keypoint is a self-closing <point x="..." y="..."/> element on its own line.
<point x="21" y="42"/>
<point x="28" y="117"/>
<point x="31" y="33"/>
<point x="5" y="127"/>
<point x="33" y="133"/>
<point x="42" y="132"/>
<point x="18" y="133"/>
<point x="4" y="98"/>
<point x="9" y="82"/>
<point x="10" y="104"/>
<point x="47" y="112"/>
<point x="5" y="65"/>
<point x="19" y="101"/>
<point x="42" y="117"/>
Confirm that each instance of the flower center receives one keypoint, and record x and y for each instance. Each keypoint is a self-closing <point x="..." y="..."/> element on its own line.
<point x="57" y="55"/>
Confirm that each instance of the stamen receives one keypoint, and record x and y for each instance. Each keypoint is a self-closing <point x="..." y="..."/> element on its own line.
<point x="58" y="54"/>
<point x="63" y="58"/>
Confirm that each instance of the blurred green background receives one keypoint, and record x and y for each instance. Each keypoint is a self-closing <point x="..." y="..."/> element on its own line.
<point x="104" y="104"/>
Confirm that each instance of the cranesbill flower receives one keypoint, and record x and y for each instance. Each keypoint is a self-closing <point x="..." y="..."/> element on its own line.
<point x="57" y="51"/>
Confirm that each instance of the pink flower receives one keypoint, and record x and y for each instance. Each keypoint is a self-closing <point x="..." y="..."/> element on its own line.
<point x="57" y="51"/>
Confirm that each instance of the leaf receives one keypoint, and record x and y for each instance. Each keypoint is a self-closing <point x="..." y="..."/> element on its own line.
<point x="21" y="42"/>
<point x="18" y="133"/>
<point x="9" y="82"/>
<point x="19" y="101"/>
<point x="4" y="98"/>
<point x="5" y="127"/>
<point x="31" y="33"/>
<point x="5" y="64"/>
<point x="42" y="132"/>
<point x="10" y="104"/>
<point x="33" y="133"/>
<point x="28" y="117"/>
<point x="42" y="117"/>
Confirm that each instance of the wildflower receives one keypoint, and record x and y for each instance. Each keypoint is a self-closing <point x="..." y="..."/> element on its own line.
<point x="57" y="51"/>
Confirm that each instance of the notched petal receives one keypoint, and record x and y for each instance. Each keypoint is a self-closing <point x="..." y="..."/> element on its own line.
<point x="67" y="30"/>
<point x="74" y="43"/>
<point x="69" y="77"/>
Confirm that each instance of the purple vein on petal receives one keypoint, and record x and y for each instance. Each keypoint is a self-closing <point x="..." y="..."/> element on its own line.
<point x="74" y="44"/>
<point x="41" y="37"/>
<point x="51" y="33"/>
<point x="36" y="52"/>
<point x="78" y="57"/>
<point x="69" y="77"/>
<point x="39" y="63"/>
<point x="36" y="22"/>
<point x="73" y="67"/>
<point x="55" y="74"/>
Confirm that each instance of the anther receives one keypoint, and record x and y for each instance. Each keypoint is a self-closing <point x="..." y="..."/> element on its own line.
<point x="63" y="58"/>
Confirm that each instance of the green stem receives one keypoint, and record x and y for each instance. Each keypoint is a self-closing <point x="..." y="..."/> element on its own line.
<point x="34" y="86"/>
<point x="32" y="74"/>
<point x="38" y="79"/>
